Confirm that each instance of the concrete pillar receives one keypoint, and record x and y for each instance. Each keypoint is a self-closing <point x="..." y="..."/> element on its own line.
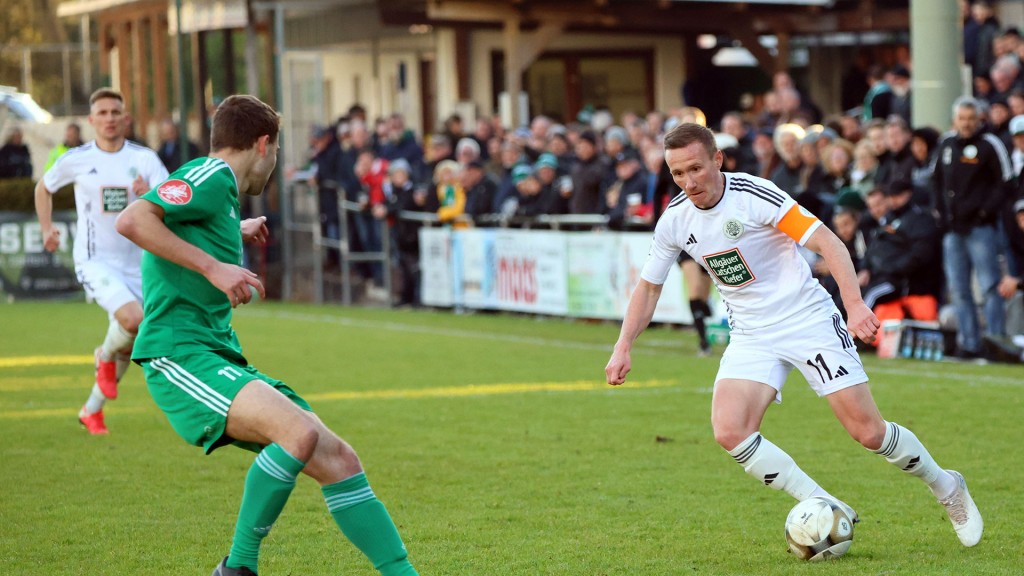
<point x="936" y="45"/>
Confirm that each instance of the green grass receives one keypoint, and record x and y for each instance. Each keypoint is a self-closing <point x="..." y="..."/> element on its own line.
<point x="567" y="480"/>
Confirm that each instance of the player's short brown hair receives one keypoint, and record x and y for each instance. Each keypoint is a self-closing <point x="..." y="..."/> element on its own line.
<point x="105" y="93"/>
<point x="239" y="122"/>
<point x="689" y="132"/>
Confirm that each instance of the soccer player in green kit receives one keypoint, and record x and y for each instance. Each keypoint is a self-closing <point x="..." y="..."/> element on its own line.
<point x="189" y="227"/>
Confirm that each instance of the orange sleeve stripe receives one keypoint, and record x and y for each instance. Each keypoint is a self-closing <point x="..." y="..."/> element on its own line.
<point x="795" y="224"/>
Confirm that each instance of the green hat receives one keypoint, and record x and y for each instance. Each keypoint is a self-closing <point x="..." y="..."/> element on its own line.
<point x="520" y="172"/>
<point x="851" y="199"/>
<point x="546" y="160"/>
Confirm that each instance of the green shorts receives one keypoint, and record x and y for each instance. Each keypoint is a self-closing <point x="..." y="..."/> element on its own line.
<point x="196" y="389"/>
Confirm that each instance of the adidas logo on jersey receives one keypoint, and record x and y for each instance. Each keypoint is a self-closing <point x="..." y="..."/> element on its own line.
<point x="842" y="371"/>
<point x="94" y="171"/>
<point x="691" y="240"/>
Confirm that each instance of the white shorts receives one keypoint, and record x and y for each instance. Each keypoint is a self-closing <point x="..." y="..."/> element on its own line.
<point x="110" y="287"/>
<point x="820" y="347"/>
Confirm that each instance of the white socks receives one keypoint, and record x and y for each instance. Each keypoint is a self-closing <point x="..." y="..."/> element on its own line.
<point x="95" y="402"/>
<point x="901" y="448"/>
<point x="117" y="339"/>
<point x="773" y="467"/>
<point x="770" y="465"/>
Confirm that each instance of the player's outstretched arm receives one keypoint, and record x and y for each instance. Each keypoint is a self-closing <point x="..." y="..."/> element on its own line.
<point x="44" y="210"/>
<point x="142" y="222"/>
<point x="638" y="315"/>
<point x="861" y="321"/>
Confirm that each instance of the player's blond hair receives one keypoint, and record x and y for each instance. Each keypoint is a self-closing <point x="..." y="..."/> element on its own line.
<point x="689" y="132"/>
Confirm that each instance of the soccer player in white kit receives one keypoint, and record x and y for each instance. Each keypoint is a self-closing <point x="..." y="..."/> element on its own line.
<point x="108" y="173"/>
<point x="745" y="231"/>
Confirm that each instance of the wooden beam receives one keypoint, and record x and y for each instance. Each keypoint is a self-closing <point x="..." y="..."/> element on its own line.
<point x="158" y="49"/>
<point x="124" y="79"/>
<point x="140" y="109"/>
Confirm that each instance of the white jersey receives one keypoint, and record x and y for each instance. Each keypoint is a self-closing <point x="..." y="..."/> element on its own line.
<point x="103" y="188"/>
<point x="748" y="244"/>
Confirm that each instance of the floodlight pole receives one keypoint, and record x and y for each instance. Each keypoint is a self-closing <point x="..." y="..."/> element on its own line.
<point x="182" y="105"/>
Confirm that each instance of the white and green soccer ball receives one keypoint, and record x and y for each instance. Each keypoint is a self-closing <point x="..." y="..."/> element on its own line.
<point x="817" y="529"/>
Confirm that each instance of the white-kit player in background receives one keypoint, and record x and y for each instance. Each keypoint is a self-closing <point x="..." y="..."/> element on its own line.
<point x="108" y="173"/>
<point x="745" y="232"/>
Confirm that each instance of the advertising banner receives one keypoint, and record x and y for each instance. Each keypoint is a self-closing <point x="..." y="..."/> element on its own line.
<point x="436" y="270"/>
<point x="672" y="306"/>
<point x="531" y="271"/>
<point x="593" y="269"/>
<point x="475" y="268"/>
<point x="28" y="271"/>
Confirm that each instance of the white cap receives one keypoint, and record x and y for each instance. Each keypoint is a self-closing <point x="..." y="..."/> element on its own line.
<point x="1017" y="125"/>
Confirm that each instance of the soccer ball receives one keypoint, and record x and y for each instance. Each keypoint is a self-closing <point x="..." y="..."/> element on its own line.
<point x="818" y="529"/>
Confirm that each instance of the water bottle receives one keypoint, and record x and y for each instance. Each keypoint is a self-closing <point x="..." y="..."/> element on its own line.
<point x="907" y="343"/>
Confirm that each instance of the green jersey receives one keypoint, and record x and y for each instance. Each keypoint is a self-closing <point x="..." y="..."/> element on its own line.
<point x="184" y="312"/>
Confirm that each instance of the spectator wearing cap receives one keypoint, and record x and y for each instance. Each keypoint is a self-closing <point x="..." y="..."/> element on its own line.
<point x="480" y="188"/>
<point x="971" y="177"/>
<point x="624" y="198"/>
<point x="899" y="80"/>
<point x="1016" y="127"/>
<point x="587" y="175"/>
<point x="550" y="199"/>
<point x="508" y="158"/>
<point x="997" y="121"/>
<point x="466" y="151"/>
<point x="533" y="201"/>
<point x="403" y="195"/>
<point x="559" y="146"/>
<point x="902" y="272"/>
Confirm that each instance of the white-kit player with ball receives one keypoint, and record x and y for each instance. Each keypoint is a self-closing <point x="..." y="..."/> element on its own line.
<point x="745" y="232"/>
<point x="108" y="173"/>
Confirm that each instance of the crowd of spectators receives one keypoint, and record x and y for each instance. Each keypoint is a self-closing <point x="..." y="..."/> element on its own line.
<point x="924" y="213"/>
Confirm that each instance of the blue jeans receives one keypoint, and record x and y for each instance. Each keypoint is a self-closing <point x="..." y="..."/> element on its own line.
<point x="961" y="253"/>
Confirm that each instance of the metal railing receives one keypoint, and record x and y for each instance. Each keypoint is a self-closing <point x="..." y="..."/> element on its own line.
<point x="301" y="217"/>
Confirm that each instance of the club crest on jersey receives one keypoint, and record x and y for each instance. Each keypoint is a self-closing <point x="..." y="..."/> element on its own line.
<point x="175" y="192"/>
<point x="732" y="229"/>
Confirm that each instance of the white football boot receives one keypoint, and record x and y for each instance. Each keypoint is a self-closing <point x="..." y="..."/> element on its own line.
<point x="963" y="513"/>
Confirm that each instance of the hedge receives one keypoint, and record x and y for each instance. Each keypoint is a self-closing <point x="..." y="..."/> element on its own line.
<point x="18" y="195"/>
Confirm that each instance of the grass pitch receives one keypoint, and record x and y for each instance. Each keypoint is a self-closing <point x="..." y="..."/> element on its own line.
<point x="498" y="450"/>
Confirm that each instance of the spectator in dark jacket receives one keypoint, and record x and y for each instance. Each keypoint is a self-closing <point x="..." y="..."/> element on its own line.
<point x="480" y="189"/>
<point x="899" y="163"/>
<point x="15" y="160"/>
<point x="587" y="174"/>
<point x="404" y="196"/>
<point x="625" y="196"/>
<point x="902" y="276"/>
<point x="970" y="181"/>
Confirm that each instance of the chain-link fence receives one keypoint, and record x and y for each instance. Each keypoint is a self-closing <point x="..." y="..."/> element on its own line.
<point x="60" y="77"/>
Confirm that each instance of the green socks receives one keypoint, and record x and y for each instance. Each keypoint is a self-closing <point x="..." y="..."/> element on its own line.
<point x="366" y="523"/>
<point x="267" y="487"/>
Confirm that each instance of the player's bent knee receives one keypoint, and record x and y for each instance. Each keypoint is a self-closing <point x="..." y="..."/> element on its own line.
<point x="730" y="437"/>
<point x="301" y="441"/>
<point x="869" y="436"/>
